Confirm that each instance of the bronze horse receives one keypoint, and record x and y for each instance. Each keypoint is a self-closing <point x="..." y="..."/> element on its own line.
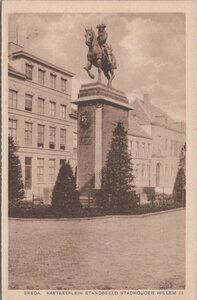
<point x="98" y="58"/>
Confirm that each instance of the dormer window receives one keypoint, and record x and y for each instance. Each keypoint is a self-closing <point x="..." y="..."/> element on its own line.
<point x="29" y="71"/>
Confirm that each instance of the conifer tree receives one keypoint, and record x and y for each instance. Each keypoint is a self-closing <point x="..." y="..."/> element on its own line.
<point x="15" y="183"/>
<point x="117" y="181"/>
<point x="65" y="195"/>
<point x="180" y="181"/>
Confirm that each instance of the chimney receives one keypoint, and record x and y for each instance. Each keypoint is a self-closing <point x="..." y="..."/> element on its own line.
<point x="147" y="98"/>
<point x="13" y="47"/>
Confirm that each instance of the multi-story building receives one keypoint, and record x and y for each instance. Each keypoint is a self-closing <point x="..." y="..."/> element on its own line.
<point x="41" y="119"/>
<point x="168" y="137"/>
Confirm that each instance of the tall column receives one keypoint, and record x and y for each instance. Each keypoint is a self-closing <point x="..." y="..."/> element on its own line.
<point x="98" y="146"/>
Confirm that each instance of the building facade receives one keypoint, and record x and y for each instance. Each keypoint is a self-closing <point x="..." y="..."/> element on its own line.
<point x="168" y="138"/>
<point x="140" y="147"/>
<point x="41" y="120"/>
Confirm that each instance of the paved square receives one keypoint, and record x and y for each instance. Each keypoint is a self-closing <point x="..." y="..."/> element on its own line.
<point x="112" y="253"/>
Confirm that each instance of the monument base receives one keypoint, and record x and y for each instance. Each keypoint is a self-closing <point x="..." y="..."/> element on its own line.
<point x="99" y="110"/>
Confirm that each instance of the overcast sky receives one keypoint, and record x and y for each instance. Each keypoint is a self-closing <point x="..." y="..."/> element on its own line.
<point x="149" y="48"/>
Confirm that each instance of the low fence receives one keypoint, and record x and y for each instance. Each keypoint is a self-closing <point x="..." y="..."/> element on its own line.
<point x="88" y="202"/>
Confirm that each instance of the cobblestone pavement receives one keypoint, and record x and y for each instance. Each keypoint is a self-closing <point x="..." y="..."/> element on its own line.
<point x="112" y="253"/>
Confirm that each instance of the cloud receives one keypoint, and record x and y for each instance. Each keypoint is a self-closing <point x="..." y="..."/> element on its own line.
<point x="150" y="50"/>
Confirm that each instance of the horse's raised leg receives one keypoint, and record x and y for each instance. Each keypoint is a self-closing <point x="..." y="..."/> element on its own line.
<point x="87" y="68"/>
<point x="99" y="70"/>
<point x="107" y="75"/>
<point x="111" y="78"/>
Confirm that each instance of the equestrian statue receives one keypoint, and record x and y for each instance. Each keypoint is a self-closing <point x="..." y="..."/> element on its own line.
<point x="100" y="54"/>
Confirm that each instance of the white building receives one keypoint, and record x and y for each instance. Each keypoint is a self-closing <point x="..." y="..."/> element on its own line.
<point x="140" y="147"/>
<point x="168" y="137"/>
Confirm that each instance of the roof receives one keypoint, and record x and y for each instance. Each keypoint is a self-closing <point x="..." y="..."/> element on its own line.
<point x="147" y="113"/>
<point x="42" y="62"/>
<point x="135" y="129"/>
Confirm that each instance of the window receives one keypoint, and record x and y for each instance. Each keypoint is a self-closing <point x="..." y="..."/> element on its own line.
<point x="148" y="151"/>
<point x="40" y="136"/>
<point x="28" y="102"/>
<point x="12" y="129"/>
<point x="159" y="144"/>
<point x="62" y="161"/>
<point x="166" y="169"/>
<point x="158" y="174"/>
<point x="166" y="145"/>
<point x="179" y="149"/>
<point x="28" y="173"/>
<point x="175" y="148"/>
<point x="171" y="148"/>
<point x="76" y="174"/>
<point x="63" y="111"/>
<point x="29" y="71"/>
<point x="28" y="134"/>
<point x="130" y="147"/>
<point x="62" y="139"/>
<point x="74" y="140"/>
<point x="53" y="81"/>
<point x="12" y="98"/>
<point x="143" y="150"/>
<point x="51" y="170"/>
<point x="41" y="106"/>
<point x="148" y="174"/>
<point x="137" y="149"/>
<point x="40" y="170"/>
<point x="41" y="74"/>
<point x="63" y="84"/>
<point x="137" y="171"/>
<point x="52" y="137"/>
<point x="143" y="171"/>
<point x="52" y="108"/>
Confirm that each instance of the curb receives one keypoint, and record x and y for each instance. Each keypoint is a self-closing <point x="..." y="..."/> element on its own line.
<point x="100" y="217"/>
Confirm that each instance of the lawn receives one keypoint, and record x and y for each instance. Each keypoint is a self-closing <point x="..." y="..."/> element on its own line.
<point x="116" y="252"/>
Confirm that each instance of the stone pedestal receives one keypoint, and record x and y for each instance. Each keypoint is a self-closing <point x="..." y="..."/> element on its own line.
<point x="99" y="109"/>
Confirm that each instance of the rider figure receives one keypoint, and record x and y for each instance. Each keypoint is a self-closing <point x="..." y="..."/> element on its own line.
<point x="102" y="37"/>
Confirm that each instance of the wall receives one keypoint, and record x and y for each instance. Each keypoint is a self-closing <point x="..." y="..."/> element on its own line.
<point x="141" y="160"/>
<point x="165" y="154"/>
<point x="111" y="115"/>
